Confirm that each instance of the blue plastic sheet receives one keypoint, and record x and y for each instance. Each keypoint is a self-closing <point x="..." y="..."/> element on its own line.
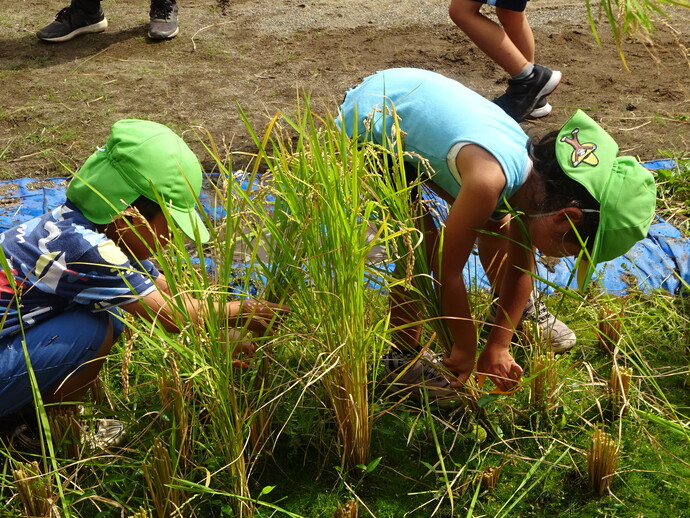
<point x="660" y="261"/>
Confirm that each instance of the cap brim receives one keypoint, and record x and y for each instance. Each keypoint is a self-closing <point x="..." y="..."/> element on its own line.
<point x="191" y="224"/>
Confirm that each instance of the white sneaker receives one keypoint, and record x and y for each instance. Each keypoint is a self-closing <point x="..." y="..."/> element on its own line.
<point x="104" y="434"/>
<point x="542" y="109"/>
<point x="559" y="335"/>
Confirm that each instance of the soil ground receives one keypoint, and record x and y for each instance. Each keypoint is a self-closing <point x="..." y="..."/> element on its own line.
<point x="57" y="101"/>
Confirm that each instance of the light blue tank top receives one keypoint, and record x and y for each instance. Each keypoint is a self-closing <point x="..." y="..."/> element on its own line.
<point x="434" y="113"/>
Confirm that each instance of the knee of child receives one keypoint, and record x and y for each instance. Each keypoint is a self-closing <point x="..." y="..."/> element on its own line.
<point x="460" y="11"/>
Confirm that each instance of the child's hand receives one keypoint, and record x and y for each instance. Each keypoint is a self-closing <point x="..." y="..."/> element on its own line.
<point x="260" y="313"/>
<point x="499" y="365"/>
<point x="461" y="364"/>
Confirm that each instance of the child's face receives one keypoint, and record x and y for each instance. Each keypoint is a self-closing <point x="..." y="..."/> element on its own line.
<point x="548" y="235"/>
<point x="139" y="237"/>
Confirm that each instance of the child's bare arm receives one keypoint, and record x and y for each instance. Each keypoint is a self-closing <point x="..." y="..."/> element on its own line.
<point x="482" y="183"/>
<point x="496" y="360"/>
<point x="159" y="306"/>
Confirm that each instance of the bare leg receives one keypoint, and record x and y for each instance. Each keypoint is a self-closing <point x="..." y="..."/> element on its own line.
<point x="487" y="35"/>
<point x="404" y="310"/>
<point x="517" y="28"/>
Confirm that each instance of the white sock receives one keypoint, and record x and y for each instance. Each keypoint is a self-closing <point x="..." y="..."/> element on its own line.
<point x="525" y="72"/>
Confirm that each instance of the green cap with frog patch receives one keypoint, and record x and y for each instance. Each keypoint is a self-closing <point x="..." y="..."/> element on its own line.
<point x="625" y="190"/>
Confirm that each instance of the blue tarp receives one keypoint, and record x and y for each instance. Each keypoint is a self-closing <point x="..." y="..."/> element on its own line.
<point x="660" y="261"/>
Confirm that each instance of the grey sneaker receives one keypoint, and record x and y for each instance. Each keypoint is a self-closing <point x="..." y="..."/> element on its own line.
<point x="556" y="333"/>
<point x="104" y="434"/>
<point x="71" y="22"/>
<point x="163" y="20"/>
<point x="523" y="95"/>
<point x="559" y="335"/>
<point x="413" y="374"/>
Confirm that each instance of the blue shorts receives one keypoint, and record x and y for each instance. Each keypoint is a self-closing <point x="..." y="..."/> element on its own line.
<point x="511" y="5"/>
<point x="57" y="347"/>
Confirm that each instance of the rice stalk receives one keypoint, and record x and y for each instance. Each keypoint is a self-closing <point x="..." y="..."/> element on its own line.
<point x="320" y="237"/>
<point x="489" y="476"/>
<point x="175" y="395"/>
<point x="602" y="460"/>
<point x="608" y="329"/>
<point x="634" y="19"/>
<point x="35" y="491"/>
<point x="348" y="510"/>
<point x="619" y="389"/>
<point x="158" y="473"/>
<point x="65" y="431"/>
<point x="543" y="382"/>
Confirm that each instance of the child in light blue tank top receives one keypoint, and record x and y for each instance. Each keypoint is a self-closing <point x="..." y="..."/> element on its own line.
<point x="479" y="160"/>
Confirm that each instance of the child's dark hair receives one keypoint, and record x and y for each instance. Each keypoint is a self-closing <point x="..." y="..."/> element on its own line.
<point x="147" y="208"/>
<point x="561" y="191"/>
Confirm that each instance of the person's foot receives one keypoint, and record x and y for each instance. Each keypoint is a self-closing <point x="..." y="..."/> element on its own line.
<point x="24" y="440"/>
<point x="104" y="434"/>
<point x="163" y="24"/>
<point x="409" y="374"/>
<point x="522" y="95"/>
<point x="71" y="22"/>
<point x="541" y="109"/>
<point x="558" y="335"/>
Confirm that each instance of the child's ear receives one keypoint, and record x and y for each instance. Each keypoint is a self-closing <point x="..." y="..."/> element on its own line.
<point x="569" y="216"/>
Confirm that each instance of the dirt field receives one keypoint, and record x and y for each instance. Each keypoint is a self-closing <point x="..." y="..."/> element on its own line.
<point x="57" y="101"/>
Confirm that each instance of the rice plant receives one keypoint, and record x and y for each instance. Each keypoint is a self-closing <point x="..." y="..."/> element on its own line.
<point x="348" y="510"/>
<point x="35" y="490"/>
<point x="602" y="461"/>
<point x="159" y="472"/>
<point x="489" y="477"/>
<point x="619" y="388"/>
<point x="609" y="328"/>
<point x="322" y="218"/>
<point x="543" y="382"/>
<point x="633" y="19"/>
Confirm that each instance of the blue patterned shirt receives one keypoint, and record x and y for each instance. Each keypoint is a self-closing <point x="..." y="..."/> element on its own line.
<point x="60" y="260"/>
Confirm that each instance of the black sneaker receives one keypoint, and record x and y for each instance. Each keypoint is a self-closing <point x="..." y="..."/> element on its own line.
<point x="523" y="95"/>
<point x="163" y="24"/>
<point x="71" y="22"/>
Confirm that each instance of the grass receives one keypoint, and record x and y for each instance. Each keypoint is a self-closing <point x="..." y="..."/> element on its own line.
<point x="304" y="430"/>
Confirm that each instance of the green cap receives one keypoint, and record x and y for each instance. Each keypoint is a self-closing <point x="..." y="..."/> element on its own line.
<point x="624" y="189"/>
<point x="141" y="158"/>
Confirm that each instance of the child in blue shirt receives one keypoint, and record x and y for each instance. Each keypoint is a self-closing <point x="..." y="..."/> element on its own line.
<point x="67" y="273"/>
